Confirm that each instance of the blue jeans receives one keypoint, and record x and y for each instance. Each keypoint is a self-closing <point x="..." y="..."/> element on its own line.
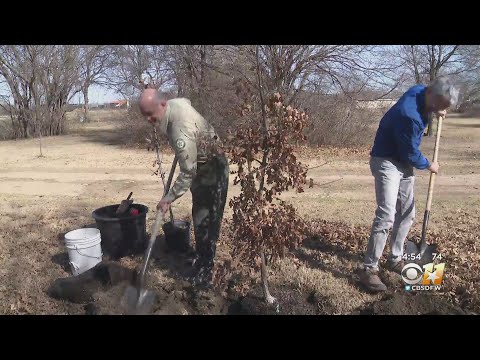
<point x="394" y="183"/>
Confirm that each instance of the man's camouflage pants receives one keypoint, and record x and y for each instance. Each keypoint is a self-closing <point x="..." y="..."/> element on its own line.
<point x="209" y="194"/>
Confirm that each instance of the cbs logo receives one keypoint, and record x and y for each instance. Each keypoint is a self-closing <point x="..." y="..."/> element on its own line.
<point x="412" y="274"/>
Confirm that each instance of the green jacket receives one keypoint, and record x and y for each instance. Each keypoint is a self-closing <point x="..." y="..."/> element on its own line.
<point x="191" y="136"/>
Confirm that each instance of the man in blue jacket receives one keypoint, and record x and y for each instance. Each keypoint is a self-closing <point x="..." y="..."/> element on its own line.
<point x="394" y="155"/>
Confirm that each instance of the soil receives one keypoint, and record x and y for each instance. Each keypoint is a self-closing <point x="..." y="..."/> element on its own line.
<point x="414" y="304"/>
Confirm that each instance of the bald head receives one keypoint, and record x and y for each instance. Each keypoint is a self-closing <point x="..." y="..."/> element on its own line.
<point x="152" y="105"/>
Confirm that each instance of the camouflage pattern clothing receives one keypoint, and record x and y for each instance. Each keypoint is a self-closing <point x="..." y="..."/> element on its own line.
<point x="204" y="170"/>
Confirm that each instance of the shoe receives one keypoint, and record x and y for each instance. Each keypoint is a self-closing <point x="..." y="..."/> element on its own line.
<point x="395" y="267"/>
<point x="370" y="279"/>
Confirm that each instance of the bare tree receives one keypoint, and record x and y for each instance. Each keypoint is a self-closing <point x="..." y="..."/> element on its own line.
<point x="94" y="61"/>
<point x="41" y="80"/>
<point x="131" y="64"/>
<point x="195" y="74"/>
<point x="427" y="62"/>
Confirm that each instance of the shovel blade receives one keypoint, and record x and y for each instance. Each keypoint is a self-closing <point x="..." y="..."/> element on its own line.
<point x="139" y="304"/>
<point x="412" y="248"/>
<point x="426" y="252"/>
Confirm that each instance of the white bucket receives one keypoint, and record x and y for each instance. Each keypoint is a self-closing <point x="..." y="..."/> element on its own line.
<point x="84" y="249"/>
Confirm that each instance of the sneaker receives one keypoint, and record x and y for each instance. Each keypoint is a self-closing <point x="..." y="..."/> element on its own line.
<point x="395" y="267"/>
<point x="370" y="279"/>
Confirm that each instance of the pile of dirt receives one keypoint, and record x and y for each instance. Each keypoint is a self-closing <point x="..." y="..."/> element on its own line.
<point x="111" y="301"/>
<point x="414" y="304"/>
<point x="186" y="301"/>
<point x="289" y="302"/>
<point x="102" y="290"/>
<point x="80" y="289"/>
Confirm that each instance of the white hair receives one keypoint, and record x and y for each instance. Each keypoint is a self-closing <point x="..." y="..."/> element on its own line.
<point x="442" y="86"/>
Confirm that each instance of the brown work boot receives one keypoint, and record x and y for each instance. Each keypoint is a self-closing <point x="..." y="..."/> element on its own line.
<point x="395" y="267"/>
<point x="369" y="278"/>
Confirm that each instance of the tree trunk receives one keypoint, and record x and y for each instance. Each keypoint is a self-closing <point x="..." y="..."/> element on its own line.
<point x="266" y="293"/>
<point x="40" y="141"/>
<point x="85" y="105"/>
<point x="202" y="85"/>
<point x="264" y="274"/>
<point x="25" y="125"/>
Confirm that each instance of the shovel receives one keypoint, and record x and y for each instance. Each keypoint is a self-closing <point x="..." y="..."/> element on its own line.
<point x="424" y="253"/>
<point x="140" y="301"/>
<point x="169" y="182"/>
<point x="124" y="205"/>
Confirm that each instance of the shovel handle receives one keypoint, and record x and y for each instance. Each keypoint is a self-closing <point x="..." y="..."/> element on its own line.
<point x="170" y="176"/>
<point x="169" y="182"/>
<point x="435" y="158"/>
<point x="158" y="221"/>
<point x="426" y="216"/>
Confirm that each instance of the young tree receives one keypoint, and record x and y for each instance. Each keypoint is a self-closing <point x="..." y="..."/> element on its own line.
<point x="264" y="226"/>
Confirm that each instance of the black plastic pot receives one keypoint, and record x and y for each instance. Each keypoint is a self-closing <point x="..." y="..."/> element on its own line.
<point x="122" y="236"/>
<point x="177" y="235"/>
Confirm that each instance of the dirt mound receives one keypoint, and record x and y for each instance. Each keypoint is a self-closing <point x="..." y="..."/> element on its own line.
<point x="102" y="290"/>
<point x="80" y="289"/>
<point x="290" y="302"/>
<point x="186" y="301"/>
<point x="414" y="304"/>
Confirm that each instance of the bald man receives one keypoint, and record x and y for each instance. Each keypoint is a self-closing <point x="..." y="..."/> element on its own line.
<point x="203" y="169"/>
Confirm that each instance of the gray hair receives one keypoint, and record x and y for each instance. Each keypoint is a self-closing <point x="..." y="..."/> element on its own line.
<point x="442" y="86"/>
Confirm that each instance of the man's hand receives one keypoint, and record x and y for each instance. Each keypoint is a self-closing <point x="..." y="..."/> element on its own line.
<point x="434" y="167"/>
<point x="163" y="206"/>
<point x="441" y="113"/>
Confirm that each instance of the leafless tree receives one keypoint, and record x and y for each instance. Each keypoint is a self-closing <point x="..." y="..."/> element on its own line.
<point x="94" y="62"/>
<point x="41" y="81"/>
<point x="426" y="62"/>
<point x="131" y="64"/>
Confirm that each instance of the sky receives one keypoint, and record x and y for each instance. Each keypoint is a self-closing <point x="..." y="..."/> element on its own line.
<point x="96" y="94"/>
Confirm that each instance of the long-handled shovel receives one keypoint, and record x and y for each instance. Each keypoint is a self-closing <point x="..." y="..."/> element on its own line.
<point x="138" y="299"/>
<point x="424" y="253"/>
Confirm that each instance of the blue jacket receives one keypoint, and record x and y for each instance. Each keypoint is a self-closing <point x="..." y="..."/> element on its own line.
<point x="401" y="130"/>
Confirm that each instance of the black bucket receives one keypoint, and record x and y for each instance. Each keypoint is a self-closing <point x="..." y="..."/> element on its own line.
<point x="122" y="235"/>
<point x="177" y="235"/>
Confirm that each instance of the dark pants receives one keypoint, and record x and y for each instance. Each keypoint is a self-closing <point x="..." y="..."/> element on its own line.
<point x="209" y="194"/>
